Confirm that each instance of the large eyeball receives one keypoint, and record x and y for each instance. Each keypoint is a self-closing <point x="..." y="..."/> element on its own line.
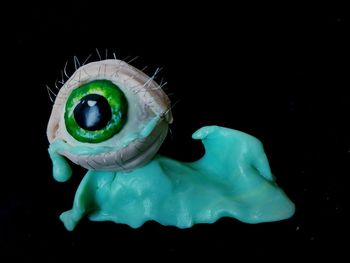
<point x="109" y="116"/>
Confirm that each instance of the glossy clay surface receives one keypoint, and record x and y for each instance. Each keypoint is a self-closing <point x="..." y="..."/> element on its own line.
<point x="232" y="179"/>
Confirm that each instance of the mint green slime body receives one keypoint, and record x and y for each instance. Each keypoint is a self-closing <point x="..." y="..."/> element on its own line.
<point x="232" y="179"/>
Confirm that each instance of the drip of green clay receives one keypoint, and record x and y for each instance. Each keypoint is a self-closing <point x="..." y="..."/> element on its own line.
<point x="232" y="179"/>
<point x="61" y="170"/>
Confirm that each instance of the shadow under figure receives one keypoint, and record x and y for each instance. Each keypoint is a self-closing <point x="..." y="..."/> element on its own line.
<point x="111" y="118"/>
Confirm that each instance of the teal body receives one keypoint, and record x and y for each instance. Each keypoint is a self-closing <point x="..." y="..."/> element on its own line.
<point x="232" y="179"/>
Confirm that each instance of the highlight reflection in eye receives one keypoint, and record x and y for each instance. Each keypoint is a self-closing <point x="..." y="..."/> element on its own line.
<point x="109" y="116"/>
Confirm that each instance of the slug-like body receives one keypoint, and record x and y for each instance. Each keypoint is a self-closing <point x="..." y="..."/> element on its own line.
<point x="111" y="119"/>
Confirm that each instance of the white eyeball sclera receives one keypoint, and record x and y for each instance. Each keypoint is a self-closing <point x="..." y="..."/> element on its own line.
<point x="144" y="130"/>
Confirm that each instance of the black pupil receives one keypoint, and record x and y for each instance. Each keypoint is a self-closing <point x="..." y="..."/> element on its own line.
<point x="93" y="112"/>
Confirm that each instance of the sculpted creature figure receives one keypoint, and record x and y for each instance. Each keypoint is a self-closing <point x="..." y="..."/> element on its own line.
<point x="111" y="119"/>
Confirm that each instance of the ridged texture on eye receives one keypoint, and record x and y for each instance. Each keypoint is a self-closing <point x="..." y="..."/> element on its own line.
<point x="135" y="154"/>
<point x="137" y="141"/>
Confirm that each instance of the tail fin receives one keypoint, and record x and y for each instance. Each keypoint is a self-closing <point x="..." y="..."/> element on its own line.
<point x="261" y="163"/>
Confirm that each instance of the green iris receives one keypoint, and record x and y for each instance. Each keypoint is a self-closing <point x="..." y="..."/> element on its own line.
<point x="95" y="111"/>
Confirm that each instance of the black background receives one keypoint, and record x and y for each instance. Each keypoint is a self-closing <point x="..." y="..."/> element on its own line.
<point x="278" y="73"/>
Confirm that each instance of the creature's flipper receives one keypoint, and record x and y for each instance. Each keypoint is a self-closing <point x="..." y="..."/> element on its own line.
<point x="83" y="202"/>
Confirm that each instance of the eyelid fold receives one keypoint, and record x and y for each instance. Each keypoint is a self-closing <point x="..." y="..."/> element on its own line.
<point x="150" y="101"/>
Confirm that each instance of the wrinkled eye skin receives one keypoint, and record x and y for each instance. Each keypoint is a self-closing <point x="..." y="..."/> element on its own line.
<point x="132" y="141"/>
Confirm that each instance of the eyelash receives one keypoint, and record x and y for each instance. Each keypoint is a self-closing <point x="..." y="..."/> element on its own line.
<point x="64" y="75"/>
